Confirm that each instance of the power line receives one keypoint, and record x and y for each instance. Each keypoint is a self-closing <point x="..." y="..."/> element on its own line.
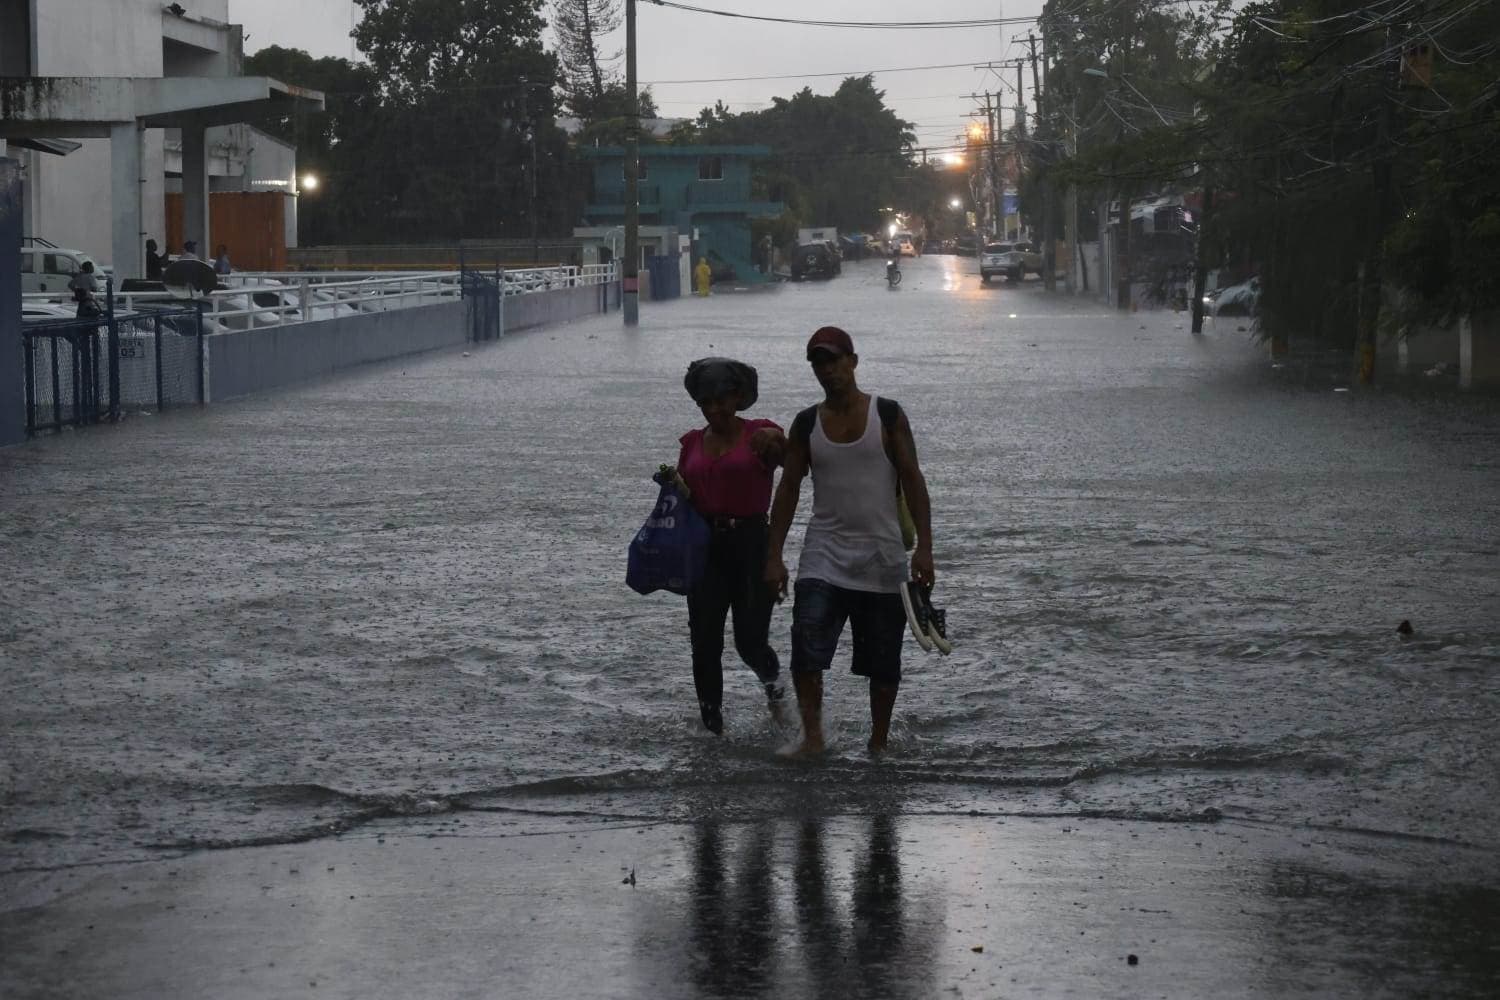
<point x="801" y="76"/>
<point x="984" y="22"/>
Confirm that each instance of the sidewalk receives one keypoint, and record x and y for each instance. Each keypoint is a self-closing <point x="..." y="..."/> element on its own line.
<point x="509" y="905"/>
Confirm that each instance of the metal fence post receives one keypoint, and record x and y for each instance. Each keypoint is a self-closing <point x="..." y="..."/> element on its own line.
<point x="160" y="402"/>
<point x="112" y="343"/>
<point x="306" y="301"/>
<point x="28" y="345"/>
<point x="56" y="386"/>
<point x="202" y="356"/>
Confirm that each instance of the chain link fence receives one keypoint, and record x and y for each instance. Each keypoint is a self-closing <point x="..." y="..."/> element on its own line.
<point x="86" y="370"/>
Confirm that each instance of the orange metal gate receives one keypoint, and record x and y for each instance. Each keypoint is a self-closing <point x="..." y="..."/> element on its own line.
<point x="252" y="224"/>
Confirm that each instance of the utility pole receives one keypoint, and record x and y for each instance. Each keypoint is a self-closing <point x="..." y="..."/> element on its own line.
<point x="630" y="266"/>
<point x="994" y="117"/>
<point x="1046" y="149"/>
<point x="996" y="189"/>
<point x="1200" y="257"/>
<point x="530" y="122"/>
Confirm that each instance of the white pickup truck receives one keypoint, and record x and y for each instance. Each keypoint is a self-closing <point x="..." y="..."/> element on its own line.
<point x="1010" y="259"/>
<point x="46" y="268"/>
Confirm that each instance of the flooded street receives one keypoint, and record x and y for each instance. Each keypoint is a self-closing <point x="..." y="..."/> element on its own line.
<point x="1173" y="581"/>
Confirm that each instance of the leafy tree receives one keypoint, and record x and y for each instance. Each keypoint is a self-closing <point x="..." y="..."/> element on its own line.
<point x="611" y="117"/>
<point x="1360" y="194"/>
<point x="334" y="144"/>
<point x="468" y="91"/>
<point x="836" y="159"/>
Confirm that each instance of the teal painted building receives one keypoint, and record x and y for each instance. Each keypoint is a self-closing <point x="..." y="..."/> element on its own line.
<point x="698" y="189"/>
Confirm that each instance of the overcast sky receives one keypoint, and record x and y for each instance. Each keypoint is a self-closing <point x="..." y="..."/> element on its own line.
<point x="677" y="45"/>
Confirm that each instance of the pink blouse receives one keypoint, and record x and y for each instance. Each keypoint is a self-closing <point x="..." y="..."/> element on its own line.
<point x="736" y="483"/>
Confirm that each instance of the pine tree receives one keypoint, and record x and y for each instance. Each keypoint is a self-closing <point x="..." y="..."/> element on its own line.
<point x="588" y="75"/>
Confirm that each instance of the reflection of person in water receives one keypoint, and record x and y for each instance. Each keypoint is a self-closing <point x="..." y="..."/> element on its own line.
<point x="879" y="941"/>
<point x="732" y="934"/>
<point x="879" y="948"/>
<point x="878" y="916"/>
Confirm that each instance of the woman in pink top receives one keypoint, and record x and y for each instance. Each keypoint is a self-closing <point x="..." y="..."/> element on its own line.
<point x="728" y="467"/>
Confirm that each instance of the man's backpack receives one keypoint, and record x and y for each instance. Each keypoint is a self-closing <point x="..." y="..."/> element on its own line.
<point x="890" y="415"/>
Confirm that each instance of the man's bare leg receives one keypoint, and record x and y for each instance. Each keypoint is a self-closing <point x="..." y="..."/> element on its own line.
<point x="809" y="687"/>
<point x="882" y="703"/>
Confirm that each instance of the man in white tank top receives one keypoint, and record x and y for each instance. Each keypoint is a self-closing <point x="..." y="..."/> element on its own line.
<point x="853" y="563"/>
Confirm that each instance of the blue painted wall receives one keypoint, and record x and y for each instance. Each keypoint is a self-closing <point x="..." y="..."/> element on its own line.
<point x="676" y="192"/>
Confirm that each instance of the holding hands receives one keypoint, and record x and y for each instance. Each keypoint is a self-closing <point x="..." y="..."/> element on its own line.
<point x="769" y="445"/>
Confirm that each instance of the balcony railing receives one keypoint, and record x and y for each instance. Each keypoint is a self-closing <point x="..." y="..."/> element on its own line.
<point x="649" y="194"/>
<point x="716" y="193"/>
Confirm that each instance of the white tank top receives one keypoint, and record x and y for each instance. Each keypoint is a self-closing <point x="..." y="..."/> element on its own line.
<point x="854" y="537"/>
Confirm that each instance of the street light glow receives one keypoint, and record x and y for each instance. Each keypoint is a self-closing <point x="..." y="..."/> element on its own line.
<point x="956" y="203"/>
<point x="309" y="182"/>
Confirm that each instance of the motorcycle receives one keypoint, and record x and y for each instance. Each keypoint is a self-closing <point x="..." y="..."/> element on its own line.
<point x="893" y="273"/>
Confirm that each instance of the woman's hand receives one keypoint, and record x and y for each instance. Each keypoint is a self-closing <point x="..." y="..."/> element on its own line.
<point x="769" y="445"/>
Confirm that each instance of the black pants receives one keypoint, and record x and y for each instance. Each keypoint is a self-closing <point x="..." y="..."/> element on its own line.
<point x="734" y="580"/>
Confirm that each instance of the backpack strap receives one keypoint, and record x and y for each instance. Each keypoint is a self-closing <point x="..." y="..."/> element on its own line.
<point x="802" y="426"/>
<point x="890" y="415"/>
<point x="888" y="410"/>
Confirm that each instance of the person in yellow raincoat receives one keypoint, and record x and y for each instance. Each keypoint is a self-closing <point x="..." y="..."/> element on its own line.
<point x="702" y="275"/>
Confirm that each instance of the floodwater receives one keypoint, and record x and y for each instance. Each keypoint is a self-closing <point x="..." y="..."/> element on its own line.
<point x="1173" y="581"/>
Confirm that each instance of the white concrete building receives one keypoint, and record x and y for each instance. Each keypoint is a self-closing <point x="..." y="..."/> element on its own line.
<point x="109" y="104"/>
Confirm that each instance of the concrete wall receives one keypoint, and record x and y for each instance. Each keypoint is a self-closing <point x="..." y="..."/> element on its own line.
<point x="1421" y="349"/>
<point x="250" y="361"/>
<point x="67" y="198"/>
<point x="523" y="312"/>
<point x="1479" y="350"/>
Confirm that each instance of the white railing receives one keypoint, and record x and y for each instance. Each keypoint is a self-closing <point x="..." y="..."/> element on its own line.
<point x="252" y="300"/>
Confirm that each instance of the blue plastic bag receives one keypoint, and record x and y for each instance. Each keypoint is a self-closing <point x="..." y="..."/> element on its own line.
<point x="671" y="549"/>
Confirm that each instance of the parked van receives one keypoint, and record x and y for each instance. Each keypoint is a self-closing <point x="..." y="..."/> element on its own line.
<point x="49" y="269"/>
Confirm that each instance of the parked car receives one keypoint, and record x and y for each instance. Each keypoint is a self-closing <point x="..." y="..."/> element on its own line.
<point x="966" y="245"/>
<point x="49" y="268"/>
<point x="903" y="245"/>
<point x="1233" y="300"/>
<point x="855" y="246"/>
<point x="46" y="310"/>
<point x="1010" y="259"/>
<point x="815" y="260"/>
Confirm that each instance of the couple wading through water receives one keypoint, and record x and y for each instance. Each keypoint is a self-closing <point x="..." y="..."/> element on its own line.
<point x="853" y="567"/>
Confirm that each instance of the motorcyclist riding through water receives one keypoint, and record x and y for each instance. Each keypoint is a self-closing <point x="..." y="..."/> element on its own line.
<point x="893" y="272"/>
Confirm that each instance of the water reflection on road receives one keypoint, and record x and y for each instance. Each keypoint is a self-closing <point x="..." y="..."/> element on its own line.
<point x="773" y="910"/>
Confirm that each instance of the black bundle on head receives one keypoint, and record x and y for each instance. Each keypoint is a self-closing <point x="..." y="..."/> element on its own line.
<point x="710" y="378"/>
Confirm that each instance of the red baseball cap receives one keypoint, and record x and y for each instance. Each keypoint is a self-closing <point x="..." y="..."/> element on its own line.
<point x="831" y="340"/>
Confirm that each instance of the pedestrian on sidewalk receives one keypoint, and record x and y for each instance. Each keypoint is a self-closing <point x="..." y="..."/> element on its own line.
<point x="85" y="287"/>
<point x="728" y="466"/>
<point x="853" y="563"/>
<point x="221" y="260"/>
<point x="703" y="276"/>
<point x="154" y="261"/>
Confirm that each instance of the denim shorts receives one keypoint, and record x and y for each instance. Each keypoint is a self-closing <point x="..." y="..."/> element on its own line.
<point x="877" y="623"/>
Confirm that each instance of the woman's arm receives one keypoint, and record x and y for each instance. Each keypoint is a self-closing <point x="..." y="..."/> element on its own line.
<point x="768" y="443"/>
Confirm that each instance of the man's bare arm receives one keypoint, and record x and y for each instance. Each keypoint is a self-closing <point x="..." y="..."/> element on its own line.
<point x="914" y="486"/>
<point x="783" y="509"/>
<point x="788" y="491"/>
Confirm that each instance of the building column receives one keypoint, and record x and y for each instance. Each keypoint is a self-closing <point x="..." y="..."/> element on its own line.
<point x="13" y="373"/>
<point x="195" y="188"/>
<point x="127" y="235"/>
